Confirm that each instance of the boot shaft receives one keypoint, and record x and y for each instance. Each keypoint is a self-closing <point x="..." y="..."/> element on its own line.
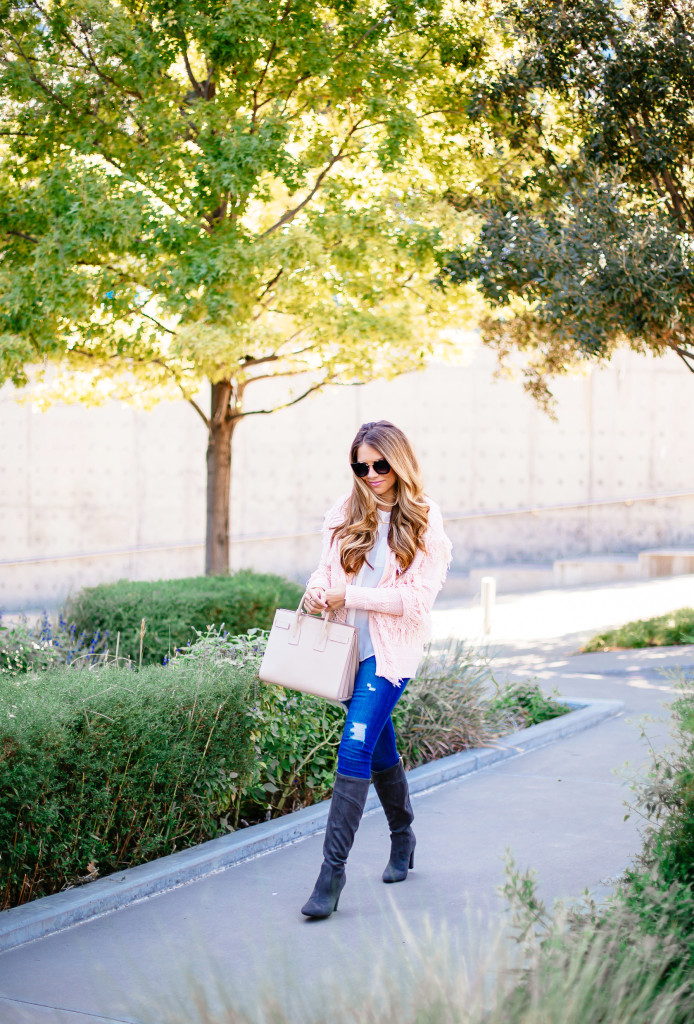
<point x="346" y="810"/>
<point x="394" y="794"/>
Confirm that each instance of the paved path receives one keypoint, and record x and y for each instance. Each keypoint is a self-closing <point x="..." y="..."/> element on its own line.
<point x="542" y="618"/>
<point x="229" y="936"/>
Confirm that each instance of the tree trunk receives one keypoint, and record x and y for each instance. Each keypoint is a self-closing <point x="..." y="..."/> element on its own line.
<point x="222" y="423"/>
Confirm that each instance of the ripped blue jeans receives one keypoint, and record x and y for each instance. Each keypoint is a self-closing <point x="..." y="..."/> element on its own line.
<point x="368" y="741"/>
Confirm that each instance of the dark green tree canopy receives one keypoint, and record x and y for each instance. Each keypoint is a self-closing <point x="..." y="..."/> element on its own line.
<point x="586" y="241"/>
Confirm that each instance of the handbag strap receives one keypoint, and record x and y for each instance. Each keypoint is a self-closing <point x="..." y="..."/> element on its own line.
<point x="296" y="627"/>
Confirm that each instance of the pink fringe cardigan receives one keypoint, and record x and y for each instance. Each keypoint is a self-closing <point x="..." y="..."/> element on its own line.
<point x="399" y="607"/>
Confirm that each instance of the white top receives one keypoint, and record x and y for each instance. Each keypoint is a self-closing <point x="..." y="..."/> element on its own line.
<point x="370" y="575"/>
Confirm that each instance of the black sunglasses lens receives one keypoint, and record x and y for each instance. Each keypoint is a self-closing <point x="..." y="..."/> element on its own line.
<point x="380" y="466"/>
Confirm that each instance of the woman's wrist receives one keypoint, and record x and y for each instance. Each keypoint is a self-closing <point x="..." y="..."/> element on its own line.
<point x="335" y="598"/>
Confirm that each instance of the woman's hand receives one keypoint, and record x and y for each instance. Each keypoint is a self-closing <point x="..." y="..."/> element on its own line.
<point x="335" y="598"/>
<point x="315" y="601"/>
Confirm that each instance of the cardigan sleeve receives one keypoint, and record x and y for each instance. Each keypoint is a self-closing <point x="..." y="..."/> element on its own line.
<point x="374" y="599"/>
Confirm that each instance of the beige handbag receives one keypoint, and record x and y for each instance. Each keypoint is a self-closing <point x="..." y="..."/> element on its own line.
<point x="314" y="655"/>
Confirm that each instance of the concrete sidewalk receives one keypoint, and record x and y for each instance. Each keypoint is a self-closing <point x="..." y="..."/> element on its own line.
<point x="239" y="932"/>
<point x="543" y="617"/>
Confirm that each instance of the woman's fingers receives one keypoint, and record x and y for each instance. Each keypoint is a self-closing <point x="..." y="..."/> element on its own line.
<point x="315" y="601"/>
<point x="321" y="600"/>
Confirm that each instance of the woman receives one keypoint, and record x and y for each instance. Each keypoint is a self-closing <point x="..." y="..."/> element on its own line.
<point x="383" y="562"/>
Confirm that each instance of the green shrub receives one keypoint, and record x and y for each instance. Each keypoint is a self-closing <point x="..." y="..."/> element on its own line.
<point x="662" y="908"/>
<point x="628" y="961"/>
<point x="296" y="751"/>
<point x="114" y="767"/>
<point x="174" y="609"/>
<point x="660" y="631"/>
<point x="445" y="709"/>
<point x="526" y="704"/>
<point x="295" y="736"/>
<point x="667" y="800"/>
<point x="38" y="646"/>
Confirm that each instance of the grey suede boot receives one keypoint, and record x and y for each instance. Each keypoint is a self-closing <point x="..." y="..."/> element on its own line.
<point x="394" y="794"/>
<point x="346" y="809"/>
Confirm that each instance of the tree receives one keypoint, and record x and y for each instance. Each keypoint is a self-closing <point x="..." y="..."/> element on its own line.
<point x="196" y="191"/>
<point x="586" y="242"/>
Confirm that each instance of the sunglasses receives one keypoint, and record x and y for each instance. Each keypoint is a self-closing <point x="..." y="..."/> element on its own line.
<point x="380" y="466"/>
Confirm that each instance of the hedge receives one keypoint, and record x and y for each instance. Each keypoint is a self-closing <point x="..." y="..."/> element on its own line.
<point x="103" y="770"/>
<point x="174" y="610"/>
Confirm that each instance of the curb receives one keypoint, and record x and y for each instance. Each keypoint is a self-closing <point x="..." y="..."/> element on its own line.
<point x="52" y="914"/>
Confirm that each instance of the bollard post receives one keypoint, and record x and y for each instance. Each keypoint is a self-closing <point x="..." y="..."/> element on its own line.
<point x="488" y="598"/>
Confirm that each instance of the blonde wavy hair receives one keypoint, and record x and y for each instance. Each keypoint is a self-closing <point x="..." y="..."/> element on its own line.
<point x="409" y="515"/>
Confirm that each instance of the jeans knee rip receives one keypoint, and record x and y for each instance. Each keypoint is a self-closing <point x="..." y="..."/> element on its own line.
<point x="358" y="732"/>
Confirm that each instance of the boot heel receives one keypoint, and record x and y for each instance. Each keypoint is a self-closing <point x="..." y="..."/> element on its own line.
<point x="412" y="859"/>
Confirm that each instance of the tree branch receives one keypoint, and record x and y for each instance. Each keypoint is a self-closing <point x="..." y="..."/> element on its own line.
<point x="271" y="53"/>
<point x="406" y="284"/>
<point x="129" y="176"/>
<point x="684" y="355"/>
<point x="199" y="411"/>
<point x="288" y="95"/>
<point x="286" y="405"/>
<point x="365" y="35"/>
<point x="679" y="201"/>
<point x="338" y="57"/>
<point x="21" y="234"/>
<point x="193" y="80"/>
<point x="256" y="87"/>
<point x="673" y="200"/>
<point x="264" y="306"/>
<point x="186" y="396"/>
<point x="291" y="214"/>
<point x="248" y="361"/>
<point x="168" y="369"/>
<point x="140" y="312"/>
<point x="274" y="376"/>
<point x="269" y="285"/>
<point x="298" y="352"/>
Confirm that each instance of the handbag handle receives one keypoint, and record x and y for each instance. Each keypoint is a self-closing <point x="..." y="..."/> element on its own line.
<point x="296" y="627"/>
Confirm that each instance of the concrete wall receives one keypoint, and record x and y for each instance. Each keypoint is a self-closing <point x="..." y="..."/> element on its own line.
<point x="97" y="494"/>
